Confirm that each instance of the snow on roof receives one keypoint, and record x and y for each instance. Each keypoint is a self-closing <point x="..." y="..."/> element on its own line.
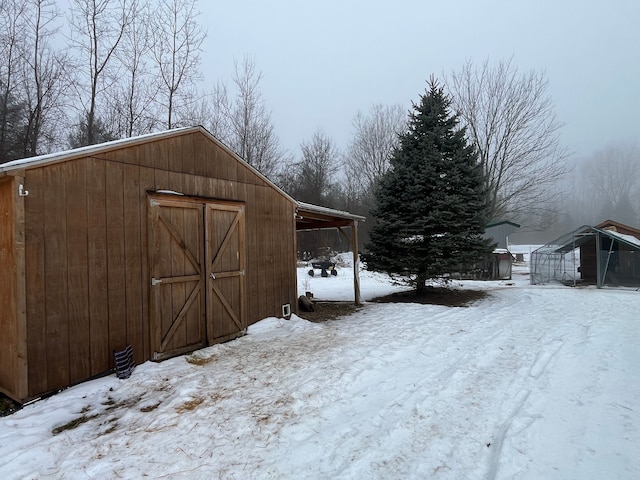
<point x="101" y="147"/>
<point x="579" y="236"/>
<point x="502" y="222"/>
<point x="627" y="238"/>
<point x="88" y="150"/>
<point x="329" y="211"/>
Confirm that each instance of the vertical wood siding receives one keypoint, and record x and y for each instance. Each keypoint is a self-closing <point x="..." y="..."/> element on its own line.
<point x="78" y="272"/>
<point x="35" y="285"/>
<point x="87" y="280"/>
<point x="8" y="281"/>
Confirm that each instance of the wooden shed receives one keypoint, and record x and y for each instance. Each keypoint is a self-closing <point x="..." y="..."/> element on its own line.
<point x="498" y="232"/>
<point x="167" y="242"/>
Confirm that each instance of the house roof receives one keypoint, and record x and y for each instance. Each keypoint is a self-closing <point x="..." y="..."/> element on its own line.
<point x="582" y="235"/>
<point x="619" y="227"/>
<point x="502" y="222"/>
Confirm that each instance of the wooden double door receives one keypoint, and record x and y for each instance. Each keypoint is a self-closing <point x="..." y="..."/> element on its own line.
<point x="197" y="263"/>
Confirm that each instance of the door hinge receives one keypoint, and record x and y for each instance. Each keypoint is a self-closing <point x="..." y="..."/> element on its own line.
<point x="156" y="281"/>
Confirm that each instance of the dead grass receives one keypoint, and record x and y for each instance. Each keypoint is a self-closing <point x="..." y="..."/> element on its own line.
<point x="150" y="408"/>
<point x="76" y="422"/>
<point x="197" y="360"/>
<point x="190" y="405"/>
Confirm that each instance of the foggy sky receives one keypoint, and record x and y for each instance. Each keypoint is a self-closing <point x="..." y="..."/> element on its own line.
<point x="323" y="61"/>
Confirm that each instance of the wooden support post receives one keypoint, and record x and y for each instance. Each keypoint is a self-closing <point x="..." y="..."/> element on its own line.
<point x="294" y="305"/>
<point x="356" y="263"/>
<point x="598" y="262"/>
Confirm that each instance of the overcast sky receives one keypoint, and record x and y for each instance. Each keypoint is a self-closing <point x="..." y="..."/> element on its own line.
<point x="323" y="61"/>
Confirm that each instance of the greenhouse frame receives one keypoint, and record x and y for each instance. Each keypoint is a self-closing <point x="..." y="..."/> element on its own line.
<point x="607" y="254"/>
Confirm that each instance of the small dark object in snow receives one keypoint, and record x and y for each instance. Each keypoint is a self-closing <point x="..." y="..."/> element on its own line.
<point x="488" y="445"/>
<point x="124" y="362"/>
<point x="325" y="268"/>
<point x="305" y="304"/>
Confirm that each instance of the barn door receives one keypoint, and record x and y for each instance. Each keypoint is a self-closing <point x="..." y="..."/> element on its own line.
<point x="177" y="268"/>
<point x="225" y="253"/>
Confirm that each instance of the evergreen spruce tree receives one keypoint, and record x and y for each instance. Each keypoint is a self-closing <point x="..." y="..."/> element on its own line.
<point x="431" y="205"/>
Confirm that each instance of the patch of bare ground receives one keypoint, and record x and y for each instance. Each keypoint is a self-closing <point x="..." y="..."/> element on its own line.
<point x="448" y="297"/>
<point x="7" y="406"/>
<point x="329" y="311"/>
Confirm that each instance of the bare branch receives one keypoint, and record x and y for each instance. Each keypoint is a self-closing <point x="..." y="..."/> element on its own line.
<point x="98" y="27"/>
<point x="243" y="121"/>
<point x="177" y="41"/>
<point x="375" y="137"/>
<point x="511" y="121"/>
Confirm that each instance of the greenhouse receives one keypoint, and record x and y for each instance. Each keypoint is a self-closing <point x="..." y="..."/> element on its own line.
<point x="604" y="255"/>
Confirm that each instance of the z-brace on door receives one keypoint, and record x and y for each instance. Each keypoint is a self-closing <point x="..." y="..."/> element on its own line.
<point x="225" y="251"/>
<point x="197" y="260"/>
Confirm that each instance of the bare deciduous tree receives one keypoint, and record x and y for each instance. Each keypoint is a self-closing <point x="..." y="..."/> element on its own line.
<point x="243" y="121"/>
<point x="608" y="186"/>
<point x="314" y="176"/>
<point x="131" y="105"/>
<point x="13" y="16"/>
<point x="375" y="137"/>
<point x="177" y="40"/>
<point x="217" y="119"/>
<point x="313" y="179"/>
<point x="253" y="135"/>
<point x="98" y="27"/>
<point x="45" y="79"/>
<point x="511" y="121"/>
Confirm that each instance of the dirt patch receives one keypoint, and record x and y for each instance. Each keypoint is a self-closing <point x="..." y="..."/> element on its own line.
<point x="329" y="311"/>
<point x="7" y="406"/>
<point x="449" y="297"/>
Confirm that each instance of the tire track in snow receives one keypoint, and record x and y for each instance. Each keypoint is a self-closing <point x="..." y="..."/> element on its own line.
<point x="498" y="442"/>
<point x="543" y="358"/>
<point x="471" y="356"/>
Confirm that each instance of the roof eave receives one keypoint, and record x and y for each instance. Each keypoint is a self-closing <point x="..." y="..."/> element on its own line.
<point x="18" y="167"/>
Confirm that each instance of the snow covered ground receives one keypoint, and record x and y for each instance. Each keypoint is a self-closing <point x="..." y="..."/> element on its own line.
<point x="535" y="382"/>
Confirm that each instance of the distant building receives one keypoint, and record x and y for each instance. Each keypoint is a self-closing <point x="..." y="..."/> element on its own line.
<point x="499" y="266"/>
<point x="499" y="232"/>
<point x="607" y="254"/>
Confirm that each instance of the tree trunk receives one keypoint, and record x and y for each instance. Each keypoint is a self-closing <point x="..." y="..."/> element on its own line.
<point x="421" y="281"/>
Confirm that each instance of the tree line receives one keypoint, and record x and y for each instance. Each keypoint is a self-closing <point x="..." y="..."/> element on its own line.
<point x="109" y="69"/>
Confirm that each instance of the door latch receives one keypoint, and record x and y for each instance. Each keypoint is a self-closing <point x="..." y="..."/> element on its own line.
<point x="156" y="281"/>
<point x="213" y="277"/>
